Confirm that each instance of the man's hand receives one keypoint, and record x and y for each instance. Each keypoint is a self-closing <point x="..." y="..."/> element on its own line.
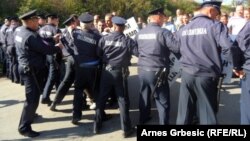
<point x="60" y="45"/>
<point x="57" y="37"/>
<point x="240" y="73"/>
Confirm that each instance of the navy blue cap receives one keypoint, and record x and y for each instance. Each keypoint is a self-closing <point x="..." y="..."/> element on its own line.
<point x="42" y="16"/>
<point x="214" y="3"/>
<point x="69" y="20"/>
<point x="86" y="18"/>
<point x="52" y="15"/>
<point x="118" y="20"/>
<point x="28" y="15"/>
<point x="156" y="11"/>
<point x="15" y="18"/>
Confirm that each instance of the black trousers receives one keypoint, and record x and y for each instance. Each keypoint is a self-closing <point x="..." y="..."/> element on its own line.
<point x="53" y="77"/>
<point x="161" y="97"/>
<point x="197" y="94"/>
<point x="84" y="79"/>
<point x="113" y="79"/>
<point x="67" y="81"/>
<point x="33" y="85"/>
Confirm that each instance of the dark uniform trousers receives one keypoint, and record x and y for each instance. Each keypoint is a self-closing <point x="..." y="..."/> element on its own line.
<point x="53" y="77"/>
<point x="161" y="96"/>
<point x="13" y="64"/>
<point x="245" y="100"/>
<point x="84" y="79"/>
<point x="198" y="92"/>
<point x="68" y="80"/>
<point x="33" y="85"/>
<point x="114" y="79"/>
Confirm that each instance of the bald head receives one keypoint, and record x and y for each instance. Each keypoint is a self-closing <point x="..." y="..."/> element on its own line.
<point x="239" y="11"/>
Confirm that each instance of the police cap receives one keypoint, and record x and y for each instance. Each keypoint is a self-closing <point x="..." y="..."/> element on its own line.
<point x="69" y="20"/>
<point x="15" y="18"/>
<point x="214" y="3"/>
<point x="28" y="15"/>
<point x="41" y="16"/>
<point x="86" y="18"/>
<point x="119" y="21"/>
<point x="52" y="15"/>
<point x="156" y="11"/>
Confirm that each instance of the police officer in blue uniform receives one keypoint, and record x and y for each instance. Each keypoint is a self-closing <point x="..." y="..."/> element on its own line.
<point x="154" y="45"/>
<point x="11" y="49"/>
<point x="86" y="62"/>
<point x="242" y="69"/>
<point x="68" y="52"/>
<point x="3" y="29"/>
<point x="50" y="33"/>
<point x="202" y="42"/>
<point x="115" y="51"/>
<point x="31" y="52"/>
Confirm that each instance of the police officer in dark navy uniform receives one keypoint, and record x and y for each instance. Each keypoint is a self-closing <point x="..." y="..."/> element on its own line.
<point x="202" y="42"/>
<point x="11" y="49"/>
<point x="50" y="33"/>
<point x="68" y="52"/>
<point x="154" y="45"/>
<point x="242" y="69"/>
<point x="3" y="29"/>
<point x="31" y="51"/>
<point x="115" y="51"/>
<point x="86" y="62"/>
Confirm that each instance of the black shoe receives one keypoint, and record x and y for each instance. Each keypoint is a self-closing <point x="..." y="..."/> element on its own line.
<point x="129" y="132"/>
<point x="46" y="101"/>
<point x="97" y="127"/>
<point x="75" y="121"/>
<point x="145" y="120"/>
<point x="30" y="133"/>
<point x="53" y="107"/>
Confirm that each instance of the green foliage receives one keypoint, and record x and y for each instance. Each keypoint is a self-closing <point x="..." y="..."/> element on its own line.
<point x="64" y="8"/>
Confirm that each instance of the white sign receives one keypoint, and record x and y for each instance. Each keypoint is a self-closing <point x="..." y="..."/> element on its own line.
<point x="174" y="69"/>
<point x="131" y="28"/>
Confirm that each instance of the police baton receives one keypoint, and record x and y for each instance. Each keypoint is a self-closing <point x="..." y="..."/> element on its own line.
<point x="219" y="86"/>
<point x="160" y="79"/>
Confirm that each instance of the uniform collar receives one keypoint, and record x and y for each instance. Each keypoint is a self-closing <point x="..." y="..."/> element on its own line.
<point x="116" y="33"/>
<point x="154" y="24"/>
<point x="200" y="15"/>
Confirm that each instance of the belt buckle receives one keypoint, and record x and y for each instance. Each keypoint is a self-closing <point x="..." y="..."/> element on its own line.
<point x="109" y="68"/>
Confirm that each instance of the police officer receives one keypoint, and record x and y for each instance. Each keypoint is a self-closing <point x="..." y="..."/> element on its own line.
<point x="68" y="52"/>
<point x="86" y="62"/>
<point x="31" y="52"/>
<point x="50" y="33"/>
<point x="115" y="51"/>
<point x="242" y="69"/>
<point x="11" y="49"/>
<point x="202" y="42"/>
<point x="154" y="45"/>
<point x="3" y="29"/>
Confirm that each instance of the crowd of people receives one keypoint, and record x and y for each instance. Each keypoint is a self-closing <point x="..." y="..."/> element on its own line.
<point x="93" y="54"/>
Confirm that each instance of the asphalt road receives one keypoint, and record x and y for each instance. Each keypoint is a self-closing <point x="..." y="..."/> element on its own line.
<point x="58" y="126"/>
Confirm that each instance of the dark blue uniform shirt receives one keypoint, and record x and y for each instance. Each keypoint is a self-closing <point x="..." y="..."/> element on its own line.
<point x="10" y="35"/>
<point x="47" y="32"/>
<point x="116" y="49"/>
<point x="202" y="41"/>
<point x="154" y="46"/>
<point x="242" y="59"/>
<point x="86" y="45"/>
<point x="68" y="43"/>
<point x="31" y="50"/>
